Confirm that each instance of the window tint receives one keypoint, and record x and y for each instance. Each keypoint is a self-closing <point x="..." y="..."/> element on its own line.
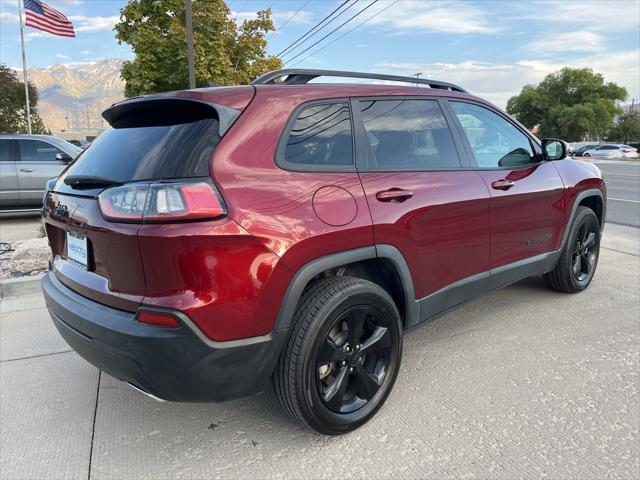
<point x="37" y="151"/>
<point x="145" y="153"/>
<point x="5" y="151"/>
<point x="495" y="142"/>
<point x="321" y="135"/>
<point x="608" y="147"/>
<point x="408" y="135"/>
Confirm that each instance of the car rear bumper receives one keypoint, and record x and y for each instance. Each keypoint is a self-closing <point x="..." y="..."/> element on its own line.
<point x="173" y="364"/>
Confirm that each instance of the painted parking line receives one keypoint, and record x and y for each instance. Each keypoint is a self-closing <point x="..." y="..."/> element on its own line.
<point x="606" y="174"/>
<point x="623" y="200"/>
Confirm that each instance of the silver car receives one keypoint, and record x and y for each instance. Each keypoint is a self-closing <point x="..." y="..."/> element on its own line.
<point x="612" y="150"/>
<point x="27" y="162"/>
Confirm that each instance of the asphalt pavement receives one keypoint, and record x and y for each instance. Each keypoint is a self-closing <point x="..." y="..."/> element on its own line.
<point x="623" y="191"/>
<point x="522" y="383"/>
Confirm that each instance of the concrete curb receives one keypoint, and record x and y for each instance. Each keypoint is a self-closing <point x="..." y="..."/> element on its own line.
<point x="15" y="287"/>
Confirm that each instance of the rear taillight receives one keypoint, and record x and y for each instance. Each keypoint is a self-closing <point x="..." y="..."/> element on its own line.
<point x="627" y="151"/>
<point x="158" y="319"/>
<point x="162" y="202"/>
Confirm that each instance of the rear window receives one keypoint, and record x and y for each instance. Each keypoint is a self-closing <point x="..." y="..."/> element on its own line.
<point x="150" y="152"/>
<point x="320" y="137"/>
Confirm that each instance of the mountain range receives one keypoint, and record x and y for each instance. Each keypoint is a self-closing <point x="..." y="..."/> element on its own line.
<point x="72" y="96"/>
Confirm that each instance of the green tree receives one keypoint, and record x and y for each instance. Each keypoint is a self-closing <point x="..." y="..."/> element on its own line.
<point x="627" y="130"/>
<point x="573" y="104"/>
<point x="13" y="116"/>
<point x="224" y="52"/>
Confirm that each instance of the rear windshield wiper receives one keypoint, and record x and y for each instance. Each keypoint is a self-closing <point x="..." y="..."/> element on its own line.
<point x="88" y="181"/>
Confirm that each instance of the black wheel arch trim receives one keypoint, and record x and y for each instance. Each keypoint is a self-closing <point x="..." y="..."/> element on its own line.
<point x="308" y="271"/>
<point x="592" y="192"/>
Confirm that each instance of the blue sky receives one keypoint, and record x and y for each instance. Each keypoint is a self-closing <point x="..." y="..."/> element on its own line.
<point x="492" y="48"/>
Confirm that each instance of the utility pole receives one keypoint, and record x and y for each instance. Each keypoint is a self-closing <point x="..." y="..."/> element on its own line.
<point x="189" y="20"/>
<point x="417" y="75"/>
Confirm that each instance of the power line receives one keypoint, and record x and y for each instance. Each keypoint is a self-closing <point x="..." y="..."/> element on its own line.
<point x="346" y="33"/>
<point x="289" y="19"/>
<point x="314" y="28"/>
<point x="332" y="31"/>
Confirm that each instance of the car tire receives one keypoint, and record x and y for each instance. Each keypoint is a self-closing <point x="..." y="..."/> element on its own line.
<point x="586" y="155"/>
<point x="579" y="257"/>
<point x="333" y="375"/>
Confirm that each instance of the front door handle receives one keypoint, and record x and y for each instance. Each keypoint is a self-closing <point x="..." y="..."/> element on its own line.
<point x="27" y="170"/>
<point x="502" y="184"/>
<point x="394" y="195"/>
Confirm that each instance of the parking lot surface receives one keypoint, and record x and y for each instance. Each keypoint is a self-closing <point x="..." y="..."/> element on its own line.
<point x="522" y="383"/>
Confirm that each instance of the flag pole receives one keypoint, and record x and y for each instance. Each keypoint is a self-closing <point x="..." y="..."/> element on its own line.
<point x="24" y="69"/>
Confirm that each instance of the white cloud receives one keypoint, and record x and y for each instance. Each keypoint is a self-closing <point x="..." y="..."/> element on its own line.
<point x="497" y="82"/>
<point x="83" y="23"/>
<point x="301" y="17"/>
<point x="8" y="17"/>
<point x="63" y="57"/>
<point x="580" y="41"/>
<point x="594" y="15"/>
<point x="28" y="36"/>
<point x="442" y="16"/>
<point x="86" y="52"/>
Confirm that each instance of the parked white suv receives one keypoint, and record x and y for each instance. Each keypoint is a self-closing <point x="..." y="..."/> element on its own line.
<point x="612" y="150"/>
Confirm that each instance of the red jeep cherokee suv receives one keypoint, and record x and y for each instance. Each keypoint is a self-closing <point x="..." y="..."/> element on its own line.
<point x="215" y="240"/>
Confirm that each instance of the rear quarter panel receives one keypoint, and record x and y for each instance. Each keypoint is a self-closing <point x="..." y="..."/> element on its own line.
<point x="276" y="205"/>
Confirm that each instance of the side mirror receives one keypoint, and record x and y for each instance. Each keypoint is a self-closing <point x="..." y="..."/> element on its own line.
<point x="63" y="157"/>
<point x="553" y="149"/>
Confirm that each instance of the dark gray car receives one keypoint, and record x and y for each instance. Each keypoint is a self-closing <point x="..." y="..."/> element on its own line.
<point x="27" y="162"/>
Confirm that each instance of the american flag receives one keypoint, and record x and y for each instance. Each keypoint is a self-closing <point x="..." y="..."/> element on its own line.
<point x="43" y="17"/>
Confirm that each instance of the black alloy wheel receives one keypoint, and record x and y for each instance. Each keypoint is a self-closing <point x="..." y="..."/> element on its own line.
<point x="342" y="356"/>
<point x="584" y="254"/>
<point x="579" y="256"/>
<point x="353" y="360"/>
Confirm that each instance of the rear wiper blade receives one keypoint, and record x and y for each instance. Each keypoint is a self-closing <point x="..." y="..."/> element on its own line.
<point x="88" y="181"/>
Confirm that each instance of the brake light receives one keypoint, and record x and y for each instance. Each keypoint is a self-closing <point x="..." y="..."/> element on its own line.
<point x="162" y="202"/>
<point x="627" y="151"/>
<point x="157" y="319"/>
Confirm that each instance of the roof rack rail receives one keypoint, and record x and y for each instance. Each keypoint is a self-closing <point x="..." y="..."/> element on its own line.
<point x="300" y="76"/>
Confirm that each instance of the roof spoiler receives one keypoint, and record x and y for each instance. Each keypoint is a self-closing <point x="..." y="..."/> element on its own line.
<point x="147" y="112"/>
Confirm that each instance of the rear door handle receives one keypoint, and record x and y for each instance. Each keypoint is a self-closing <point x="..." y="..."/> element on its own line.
<point x="502" y="184"/>
<point x="27" y="170"/>
<point x="394" y="195"/>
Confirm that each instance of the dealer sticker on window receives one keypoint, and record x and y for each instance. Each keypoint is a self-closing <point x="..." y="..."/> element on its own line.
<point x="77" y="249"/>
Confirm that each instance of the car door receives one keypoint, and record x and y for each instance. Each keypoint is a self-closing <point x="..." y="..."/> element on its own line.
<point x="527" y="209"/>
<point x="423" y="200"/>
<point x="9" y="196"/>
<point x="36" y="164"/>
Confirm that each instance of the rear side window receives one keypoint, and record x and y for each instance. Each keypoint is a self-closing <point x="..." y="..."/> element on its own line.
<point x="320" y="137"/>
<point x="408" y="135"/>
<point x="150" y="152"/>
<point x="37" y="151"/>
<point x="495" y="142"/>
<point x="5" y="151"/>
